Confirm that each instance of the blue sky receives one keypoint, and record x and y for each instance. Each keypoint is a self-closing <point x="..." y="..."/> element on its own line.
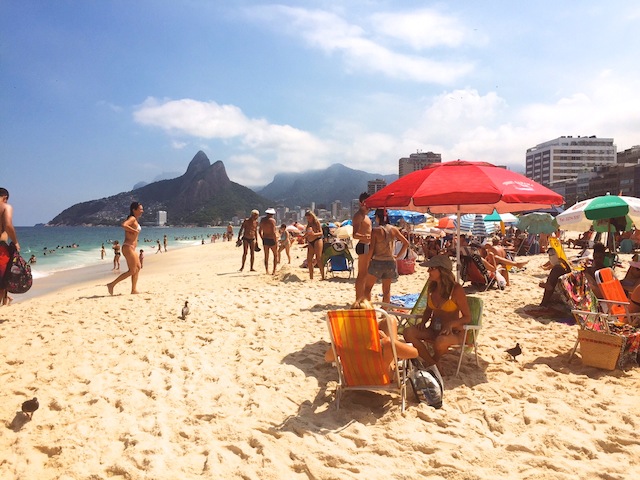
<point x="97" y="96"/>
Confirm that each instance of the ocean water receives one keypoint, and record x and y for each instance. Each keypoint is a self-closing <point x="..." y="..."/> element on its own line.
<point x="59" y="249"/>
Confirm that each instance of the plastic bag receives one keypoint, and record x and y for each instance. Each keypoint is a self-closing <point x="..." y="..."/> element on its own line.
<point x="427" y="384"/>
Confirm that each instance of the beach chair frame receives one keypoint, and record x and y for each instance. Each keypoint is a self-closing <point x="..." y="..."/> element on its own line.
<point x="616" y="303"/>
<point x="407" y="316"/>
<point x="355" y="341"/>
<point x="471" y="331"/>
<point x="334" y="265"/>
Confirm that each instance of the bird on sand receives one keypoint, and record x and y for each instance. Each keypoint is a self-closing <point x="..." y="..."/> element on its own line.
<point x="515" y="351"/>
<point x="185" y="310"/>
<point x="30" y="406"/>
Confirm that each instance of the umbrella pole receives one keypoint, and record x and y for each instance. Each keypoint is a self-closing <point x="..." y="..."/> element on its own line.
<point x="458" y="269"/>
<point x="611" y="240"/>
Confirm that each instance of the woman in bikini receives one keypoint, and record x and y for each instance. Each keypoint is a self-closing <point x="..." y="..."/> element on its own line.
<point x="285" y="243"/>
<point x="382" y="265"/>
<point x="313" y="236"/>
<point x="446" y="313"/>
<point x="131" y="231"/>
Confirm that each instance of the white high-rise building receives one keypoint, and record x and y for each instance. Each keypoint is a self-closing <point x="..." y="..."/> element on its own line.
<point x="565" y="157"/>
<point x="162" y="218"/>
<point x="336" y="209"/>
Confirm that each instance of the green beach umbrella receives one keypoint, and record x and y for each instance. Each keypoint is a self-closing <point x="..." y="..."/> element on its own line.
<point x="538" y="222"/>
<point x="606" y="207"/>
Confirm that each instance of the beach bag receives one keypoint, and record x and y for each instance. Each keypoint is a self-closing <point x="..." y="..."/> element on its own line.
<point x="600" y="349"/>
<point x="17" y="277"/>
<point x="406" y="266"/>
<point x="427" y="384"/>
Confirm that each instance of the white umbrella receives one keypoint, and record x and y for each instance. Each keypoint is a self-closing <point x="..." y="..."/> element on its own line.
<point x="598" y="212"/>
<point x="425" y="229"/>
<point x="346" y="231"/>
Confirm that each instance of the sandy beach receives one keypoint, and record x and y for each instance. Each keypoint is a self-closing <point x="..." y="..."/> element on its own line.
<point x="239" y="390"/>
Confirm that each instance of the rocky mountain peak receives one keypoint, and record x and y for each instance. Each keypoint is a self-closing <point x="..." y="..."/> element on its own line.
<point x="198" y="164"/>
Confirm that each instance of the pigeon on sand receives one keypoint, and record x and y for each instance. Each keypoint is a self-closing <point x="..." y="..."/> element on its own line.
<point x="185" y="310"/>
<point x="515" y="351"/>
<point x="30" y="406"/>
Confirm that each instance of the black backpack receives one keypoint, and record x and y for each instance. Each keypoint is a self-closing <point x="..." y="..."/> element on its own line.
<point x="17" y="277"/>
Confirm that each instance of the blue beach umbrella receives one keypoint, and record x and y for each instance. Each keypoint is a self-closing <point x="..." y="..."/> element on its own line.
<point x="482" y="229"/>
<point x="466" y="222"/>
<point x="413" y="218"/>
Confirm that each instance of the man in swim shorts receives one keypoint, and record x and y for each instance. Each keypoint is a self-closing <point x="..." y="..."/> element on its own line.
<point x="247" y="233"/>
<point x="362" y="232"/>
<point x="268" y="234"/>
<point x="7" y="231"/>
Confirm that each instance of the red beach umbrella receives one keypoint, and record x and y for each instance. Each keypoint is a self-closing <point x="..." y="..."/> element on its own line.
<point x="446" y="222"/>
<point x="464" y="187"/>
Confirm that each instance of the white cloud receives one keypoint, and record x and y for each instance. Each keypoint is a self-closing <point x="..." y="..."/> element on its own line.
<point x="199" y="119"/>
<point x="421" y="29"/>
<point x="468" y="125"/>
<point x="178" y="145"/>
<point x="111" y="106"/>
<point x="333" y="34"/>
<point x="461" y="123"/>
<point x="280" y="147"/>
<point x="606" y="107"/>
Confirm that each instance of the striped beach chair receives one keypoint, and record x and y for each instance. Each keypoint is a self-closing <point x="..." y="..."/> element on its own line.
<point x="355" y="341"/>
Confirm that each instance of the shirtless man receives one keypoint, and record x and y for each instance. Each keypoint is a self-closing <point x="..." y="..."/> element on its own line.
<point x="362" y="232"/>
<point x="247" y="233"/>
<point x="497" y="256"/>
<point x="269" y="236"/>
<point x="7" y="231"/>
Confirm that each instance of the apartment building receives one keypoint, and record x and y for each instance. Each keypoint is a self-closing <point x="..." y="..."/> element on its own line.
<point x="374" y="185"/>
<point x="417" y="161"/>
<point x="565" y="157"/>
<point x="630" y="155"/>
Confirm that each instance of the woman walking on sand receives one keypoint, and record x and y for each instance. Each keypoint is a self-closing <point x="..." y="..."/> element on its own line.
<point x="313" y="236"/>
<point x="131" y="231"/>
<point x="285" y="243"/>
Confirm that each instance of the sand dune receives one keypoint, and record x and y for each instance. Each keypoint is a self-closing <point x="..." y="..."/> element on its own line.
<point x="240" y="390"/>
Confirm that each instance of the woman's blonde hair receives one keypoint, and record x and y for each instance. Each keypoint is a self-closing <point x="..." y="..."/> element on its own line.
<point x="362" y="304"/>
<point x="448" y="281"/>
<point x="314" y="219"/>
